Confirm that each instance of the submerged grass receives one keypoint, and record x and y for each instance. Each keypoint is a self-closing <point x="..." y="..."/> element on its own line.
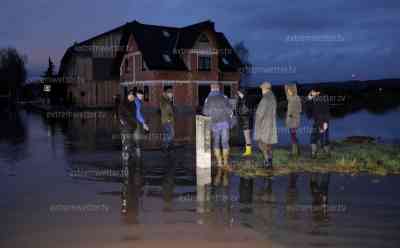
<point x="377" y="159"/>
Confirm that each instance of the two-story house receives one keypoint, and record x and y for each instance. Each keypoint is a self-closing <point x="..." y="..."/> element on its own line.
<point x="151" y="57"/>
<point x="187" y="59"/>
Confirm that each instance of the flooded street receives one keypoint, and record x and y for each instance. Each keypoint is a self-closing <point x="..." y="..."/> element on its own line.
<point x="62" y="185"/>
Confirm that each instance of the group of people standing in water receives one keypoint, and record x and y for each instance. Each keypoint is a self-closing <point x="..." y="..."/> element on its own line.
<point x="224" y="116"/>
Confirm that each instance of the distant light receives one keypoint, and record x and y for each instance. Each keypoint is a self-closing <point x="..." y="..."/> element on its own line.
<point x="47" y="88"/>
<point x="165" y="33"/>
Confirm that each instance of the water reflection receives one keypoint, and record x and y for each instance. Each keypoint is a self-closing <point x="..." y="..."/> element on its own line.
<point x="132" y="190"/>
<point x="295" y="210"/>
<point x="319" y="188"/>
<point x="13" y="136"/>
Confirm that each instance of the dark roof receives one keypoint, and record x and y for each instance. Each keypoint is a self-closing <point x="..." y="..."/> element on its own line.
<point x="155" y="44"/>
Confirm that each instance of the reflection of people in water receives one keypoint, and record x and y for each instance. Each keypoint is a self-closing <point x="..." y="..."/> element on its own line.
<point x="168" y="183"/>
<point x="319" y="186"/>
<point x="128" y="126"/>
<point x="131" y="192"/>
<point x="292" y="195"/>
<point x="246" y="190"/>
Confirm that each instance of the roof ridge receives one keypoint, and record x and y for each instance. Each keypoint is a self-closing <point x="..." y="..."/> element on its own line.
<point x="157" y="26"/>
<point x="198" y="24"/>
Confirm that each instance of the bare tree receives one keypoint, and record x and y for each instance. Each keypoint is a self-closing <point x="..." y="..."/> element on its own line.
<point x="243" y="52"/>
<point x="12" y="73"/>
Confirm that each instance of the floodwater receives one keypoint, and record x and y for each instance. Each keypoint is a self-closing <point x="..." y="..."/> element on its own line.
<point x="62" y="185"/>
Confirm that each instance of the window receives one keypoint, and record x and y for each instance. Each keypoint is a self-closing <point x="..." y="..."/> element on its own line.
<point x="225" y="61"/>
<point x="146" y="92"/>
<point x="204" y="63"/>
<point x="167" y="58"/>
<point x="126" y="66"/>
<point x="203" y="38"/>
<point x="144" y="67"/>
<point x="227" y="91"/>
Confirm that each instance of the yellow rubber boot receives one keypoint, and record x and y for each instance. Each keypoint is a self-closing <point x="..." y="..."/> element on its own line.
<point x="218" y="157"/>
<point x="248" y="151"/>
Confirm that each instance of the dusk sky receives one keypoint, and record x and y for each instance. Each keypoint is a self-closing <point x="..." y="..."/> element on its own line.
<point x="307" y="41"/>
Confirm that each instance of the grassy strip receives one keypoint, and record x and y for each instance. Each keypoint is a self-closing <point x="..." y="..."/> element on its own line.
<point x="377" y="159"/>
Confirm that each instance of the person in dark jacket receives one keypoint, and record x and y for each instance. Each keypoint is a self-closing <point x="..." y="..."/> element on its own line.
<point x="128" y="126"/>
<point x="218" y="107"/>
<point x="244" y="117"/>
<point x="318" y="106"/>
<point x="167" y="118"/>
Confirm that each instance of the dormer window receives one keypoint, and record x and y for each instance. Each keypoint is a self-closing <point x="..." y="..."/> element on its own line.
<point x="167" y="58"/>
<point x="203" y="38"/>
<point x="204" y="63"/>
<point x="166" y="33"/>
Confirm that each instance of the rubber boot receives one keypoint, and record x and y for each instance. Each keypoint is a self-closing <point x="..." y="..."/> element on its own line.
<point x="217" y="178"/>
<point x="225" y="155"/>
<point x="269" y="164"/>
<point x="313" y="151"/>
<point x="248" y="151"/>
<point x="218" y="157"/>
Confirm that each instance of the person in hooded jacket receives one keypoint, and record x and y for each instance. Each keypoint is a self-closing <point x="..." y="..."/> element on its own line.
<point x="219" y="109"/>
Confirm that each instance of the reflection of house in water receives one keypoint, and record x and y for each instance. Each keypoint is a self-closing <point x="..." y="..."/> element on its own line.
<point x="151" y="57"/>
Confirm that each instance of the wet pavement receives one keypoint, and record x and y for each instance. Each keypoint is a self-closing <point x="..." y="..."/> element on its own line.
<point x="63" y="185"/>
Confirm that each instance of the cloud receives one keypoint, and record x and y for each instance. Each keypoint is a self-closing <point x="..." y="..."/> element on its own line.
<point x="369" y="30"/>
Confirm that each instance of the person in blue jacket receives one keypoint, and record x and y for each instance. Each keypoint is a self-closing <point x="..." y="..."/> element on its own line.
<point x="143" y="127"/>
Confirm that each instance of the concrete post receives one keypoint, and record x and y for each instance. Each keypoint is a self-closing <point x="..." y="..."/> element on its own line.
<point x="203" y="160"/>
<point x="203" y="142"/>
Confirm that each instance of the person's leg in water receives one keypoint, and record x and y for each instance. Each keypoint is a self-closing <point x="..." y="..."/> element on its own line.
<point x="325" y="141"/>
<point x="138" y="140"/>
<point x="294" y="141"/>
<point x="315" y="139"/>
<point x="266" y="150"/>
<point x="168" y="136"/>
<point x="225" y="155"/>
<point x="216" y="135"/>
<point x="247" y="137"/>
